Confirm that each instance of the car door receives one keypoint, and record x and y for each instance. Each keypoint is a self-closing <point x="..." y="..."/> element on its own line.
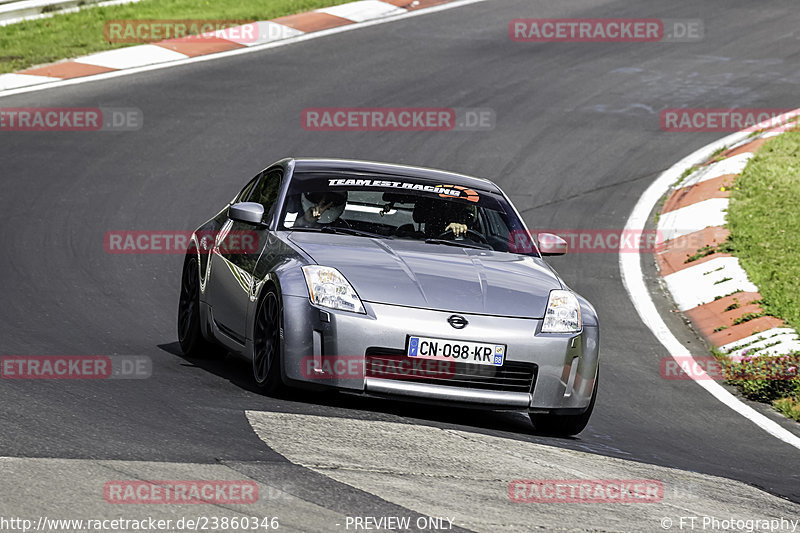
<point x="234" y="257"/>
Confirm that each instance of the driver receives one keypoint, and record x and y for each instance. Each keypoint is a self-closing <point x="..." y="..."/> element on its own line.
<point x="321" y="208"/>
<point x="461" y="218"/>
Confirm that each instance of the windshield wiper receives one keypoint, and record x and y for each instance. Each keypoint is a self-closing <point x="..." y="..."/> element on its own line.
<point x="352" y="231"/>
<point x="458" y="243"/>
<point x="345" y="231"/>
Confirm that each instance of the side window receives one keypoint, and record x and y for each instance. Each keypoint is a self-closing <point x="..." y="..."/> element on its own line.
<point x="242" y="196"/>
<point x="266" y="190"/>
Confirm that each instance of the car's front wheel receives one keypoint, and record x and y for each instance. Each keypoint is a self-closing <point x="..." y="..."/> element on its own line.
<point x="267" y="343"/>
<point x="191" y="339"/>
<point x="565" y="425"/>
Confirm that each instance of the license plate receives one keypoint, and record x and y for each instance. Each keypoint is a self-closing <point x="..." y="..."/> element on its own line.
<point x="478" y="353"/>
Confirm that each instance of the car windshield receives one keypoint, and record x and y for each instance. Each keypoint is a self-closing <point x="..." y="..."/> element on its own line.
<point x="403" y="208"/>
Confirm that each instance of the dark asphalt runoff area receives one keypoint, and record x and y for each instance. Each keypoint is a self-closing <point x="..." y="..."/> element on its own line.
<point x="576" y="141"/>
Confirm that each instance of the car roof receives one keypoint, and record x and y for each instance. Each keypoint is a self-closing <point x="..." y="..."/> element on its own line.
<point x="308" y="164"/>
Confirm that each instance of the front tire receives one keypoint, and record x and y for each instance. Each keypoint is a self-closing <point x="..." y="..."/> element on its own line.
<point x="566" y="425"/>
<point x="190" y="336"/>
<point x="267" y="344"/>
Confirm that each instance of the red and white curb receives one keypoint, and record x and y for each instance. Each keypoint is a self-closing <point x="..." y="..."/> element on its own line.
<point x="327" y="20"/>
<point x="630" y="265"/>
<point x="714" y="291"/>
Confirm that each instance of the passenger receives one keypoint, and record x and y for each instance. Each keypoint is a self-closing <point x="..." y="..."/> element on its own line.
<point x="321" y="208"/>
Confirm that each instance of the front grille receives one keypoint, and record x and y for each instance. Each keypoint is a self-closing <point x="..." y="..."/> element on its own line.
<point x="512" y="376"/>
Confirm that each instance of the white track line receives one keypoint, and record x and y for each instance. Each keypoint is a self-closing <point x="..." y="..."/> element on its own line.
<point x="631" y="270"/>
<point x="209" y="57"/>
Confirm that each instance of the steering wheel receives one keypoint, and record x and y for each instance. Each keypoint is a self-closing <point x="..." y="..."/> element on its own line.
<point x="342" y="223"/>
<point x="480" y="238"/>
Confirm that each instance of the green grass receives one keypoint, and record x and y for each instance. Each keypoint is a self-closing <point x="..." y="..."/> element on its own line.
<point x="686" y="173"/>
<point x="769" y="379"/>
<point x="764" y="220"/>
<point x="789" y="406"/>
<point x="747" y="317"/>
<point x="734" y="305"/>
<point x="37" y="42"/>
<point x="723" y="247"/>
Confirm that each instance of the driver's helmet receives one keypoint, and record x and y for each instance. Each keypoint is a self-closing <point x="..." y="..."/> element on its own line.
<point x="337" y="199"/>
<point x="464" y="213"/>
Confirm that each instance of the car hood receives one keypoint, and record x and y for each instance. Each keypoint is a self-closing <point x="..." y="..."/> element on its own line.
<point x="448" y="278"/>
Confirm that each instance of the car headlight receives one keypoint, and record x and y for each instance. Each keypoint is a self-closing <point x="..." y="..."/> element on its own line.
<point x="563" y="314"/>
<point x="327" y="287"/>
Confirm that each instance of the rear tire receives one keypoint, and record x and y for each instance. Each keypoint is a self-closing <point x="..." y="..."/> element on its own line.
<point x="566" y="425"/>
<point x="267" y="344"/>
<point x="190" y="336"/>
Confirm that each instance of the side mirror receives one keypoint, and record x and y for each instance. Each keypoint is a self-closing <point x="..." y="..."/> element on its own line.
<point x="247" y="212"/>
<point x="550" y="244"/>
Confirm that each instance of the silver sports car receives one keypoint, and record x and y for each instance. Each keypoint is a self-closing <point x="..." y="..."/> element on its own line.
<point x="390" y="280"/>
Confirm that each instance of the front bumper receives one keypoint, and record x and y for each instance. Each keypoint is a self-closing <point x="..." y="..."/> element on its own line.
<point x="565" y="364"/>
<point x="445" y="394"/>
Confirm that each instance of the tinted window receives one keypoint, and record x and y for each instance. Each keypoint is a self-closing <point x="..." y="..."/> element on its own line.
<point x="245" y="193"/>
<point x="266" y="190"/>
<point x="397" y="207"/>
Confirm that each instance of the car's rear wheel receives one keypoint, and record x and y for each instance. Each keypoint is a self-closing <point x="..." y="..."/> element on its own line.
<point x="190" y="337"/>
<point x="565" y="425"/>
<point x="267" y="343"/>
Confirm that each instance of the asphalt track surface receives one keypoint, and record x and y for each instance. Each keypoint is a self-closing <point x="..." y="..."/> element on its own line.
<point x="576" y="142"/>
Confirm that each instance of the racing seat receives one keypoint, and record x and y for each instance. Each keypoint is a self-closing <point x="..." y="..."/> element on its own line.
<point x="428" y="211"/>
